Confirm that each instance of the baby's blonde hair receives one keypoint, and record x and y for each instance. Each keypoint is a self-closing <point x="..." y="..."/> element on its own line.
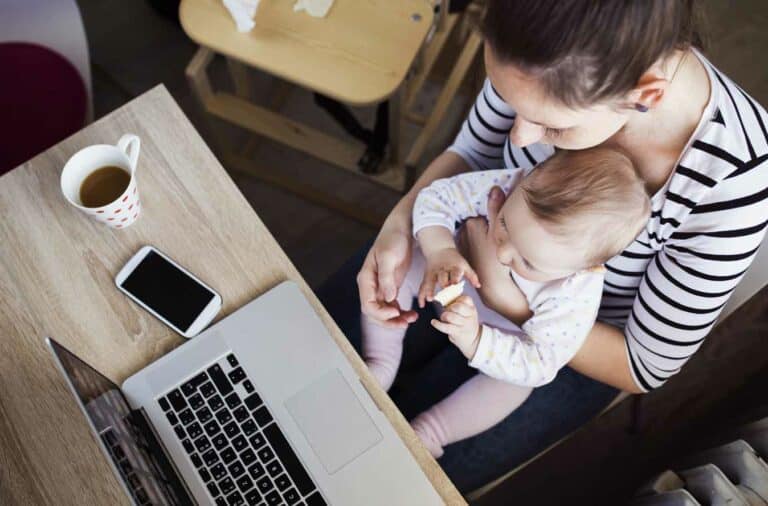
<point x="594" y="195"/>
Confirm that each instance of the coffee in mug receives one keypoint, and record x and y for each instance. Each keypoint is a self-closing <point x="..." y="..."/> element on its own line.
<point x="103" y="186"/>
<point x="100" y="180"/>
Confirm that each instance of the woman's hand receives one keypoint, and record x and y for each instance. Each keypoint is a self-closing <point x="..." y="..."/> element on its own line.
<point x="389" y="259"/>
<point x="382" y="274"/>
<point x="476" y="242"/>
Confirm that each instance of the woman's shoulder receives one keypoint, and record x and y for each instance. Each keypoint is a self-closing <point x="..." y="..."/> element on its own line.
<point x="735" y="138"/>
<point x="725" y="167"/>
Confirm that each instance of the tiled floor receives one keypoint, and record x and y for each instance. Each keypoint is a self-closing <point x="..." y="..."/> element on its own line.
<point x="134" y="49"/>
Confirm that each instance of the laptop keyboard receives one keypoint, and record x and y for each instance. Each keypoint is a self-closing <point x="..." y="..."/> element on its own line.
<point x="232" y="440"/>
<point x="124" y="466"/>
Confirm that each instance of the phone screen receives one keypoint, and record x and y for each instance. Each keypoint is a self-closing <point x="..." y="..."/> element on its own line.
<point x="170" y="292"/>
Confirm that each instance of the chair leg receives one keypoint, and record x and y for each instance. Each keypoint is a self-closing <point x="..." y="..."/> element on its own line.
<point x="375" y="140"/>
<point x="395" y="117"/>
<point x="459" y="72"/>
<point x="239" y="73"/>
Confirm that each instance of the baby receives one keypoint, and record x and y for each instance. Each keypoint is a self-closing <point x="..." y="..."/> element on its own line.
<point x="557" y="227"/>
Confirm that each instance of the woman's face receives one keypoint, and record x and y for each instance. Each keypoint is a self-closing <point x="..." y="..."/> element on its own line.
<point x="541" y="118"/>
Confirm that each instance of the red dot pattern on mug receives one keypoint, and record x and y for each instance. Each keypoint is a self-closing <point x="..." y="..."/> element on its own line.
<point x="123" y="211"/>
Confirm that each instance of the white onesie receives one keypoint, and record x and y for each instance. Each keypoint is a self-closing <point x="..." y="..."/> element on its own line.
<point x="564" y="310"/>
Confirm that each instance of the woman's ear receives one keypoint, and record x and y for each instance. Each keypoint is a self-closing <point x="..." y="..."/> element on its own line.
<point x="649" y="91"/>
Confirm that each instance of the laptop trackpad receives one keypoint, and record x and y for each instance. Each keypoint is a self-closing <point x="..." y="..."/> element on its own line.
<point x="333" y="421"/>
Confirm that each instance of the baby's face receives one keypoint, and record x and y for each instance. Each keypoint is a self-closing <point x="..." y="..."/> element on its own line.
<point x="529" y="248"/>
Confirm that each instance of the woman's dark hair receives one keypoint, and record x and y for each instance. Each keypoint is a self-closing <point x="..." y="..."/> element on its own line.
<point x="585" y="51"/>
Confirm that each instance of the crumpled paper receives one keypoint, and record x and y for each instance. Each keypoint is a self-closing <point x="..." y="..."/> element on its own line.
<point x="242" y="12"/>
<point x="315" y="8"/>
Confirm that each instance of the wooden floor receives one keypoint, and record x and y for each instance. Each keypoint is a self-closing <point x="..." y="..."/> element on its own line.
<point x="133" y="49"/>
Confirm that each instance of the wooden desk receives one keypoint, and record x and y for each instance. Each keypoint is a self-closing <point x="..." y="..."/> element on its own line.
<point x="57" y="268"/>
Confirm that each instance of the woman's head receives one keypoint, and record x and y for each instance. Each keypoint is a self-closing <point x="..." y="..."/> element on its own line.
<point x="576" y="210"/>
<point x="575" y="69"/>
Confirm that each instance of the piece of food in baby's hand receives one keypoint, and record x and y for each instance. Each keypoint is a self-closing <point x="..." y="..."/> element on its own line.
<point x="450" y="293"/>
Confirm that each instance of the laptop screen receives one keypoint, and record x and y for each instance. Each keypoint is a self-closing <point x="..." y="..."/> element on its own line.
<point x="127" y="439"/>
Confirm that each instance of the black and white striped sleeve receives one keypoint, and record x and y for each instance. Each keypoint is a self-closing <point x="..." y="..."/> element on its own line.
<point x="689" y="281"/>
<point x="483" y="141"/>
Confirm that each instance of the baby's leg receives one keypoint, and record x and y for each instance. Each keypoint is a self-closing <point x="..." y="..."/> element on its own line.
<point x="383" y="347"/>
<point x="474" y="407"/>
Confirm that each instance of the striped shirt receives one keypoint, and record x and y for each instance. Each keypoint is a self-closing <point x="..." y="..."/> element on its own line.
<point x="668" y="287"/>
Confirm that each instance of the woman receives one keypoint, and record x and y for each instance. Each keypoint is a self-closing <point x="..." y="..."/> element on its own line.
<point x="572" y="74"/>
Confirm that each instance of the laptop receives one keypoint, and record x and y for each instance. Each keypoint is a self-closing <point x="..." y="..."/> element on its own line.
<point x="260" y="409"/>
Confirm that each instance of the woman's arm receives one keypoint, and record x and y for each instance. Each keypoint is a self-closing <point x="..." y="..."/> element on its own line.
<point x="389" y="258"/>
<point x="603" y="357"/>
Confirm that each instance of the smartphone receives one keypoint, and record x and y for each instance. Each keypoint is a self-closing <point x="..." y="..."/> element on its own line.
<point x="168" y="291"/>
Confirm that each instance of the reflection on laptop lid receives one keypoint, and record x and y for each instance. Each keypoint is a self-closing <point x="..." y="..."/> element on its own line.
<point x="126" y="438"/>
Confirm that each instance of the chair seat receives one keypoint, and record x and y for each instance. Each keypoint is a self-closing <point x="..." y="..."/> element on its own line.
<point x="359" y="54"/>
<point x="43" y="99"/>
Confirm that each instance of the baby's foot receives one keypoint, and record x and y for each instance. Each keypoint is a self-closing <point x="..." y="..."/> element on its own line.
<point x="424" y="430"/>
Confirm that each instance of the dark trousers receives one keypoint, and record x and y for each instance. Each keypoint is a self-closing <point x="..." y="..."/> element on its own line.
<point x="432" y="368"/>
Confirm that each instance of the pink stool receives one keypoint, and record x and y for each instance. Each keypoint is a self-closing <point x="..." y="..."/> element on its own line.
<point x="43" y="99"/>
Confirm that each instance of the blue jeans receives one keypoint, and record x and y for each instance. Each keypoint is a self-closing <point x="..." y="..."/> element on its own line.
<point x="432" y="368"/>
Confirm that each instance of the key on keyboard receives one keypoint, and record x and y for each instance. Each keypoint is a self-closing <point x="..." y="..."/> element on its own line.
<point x="239" y="451"/>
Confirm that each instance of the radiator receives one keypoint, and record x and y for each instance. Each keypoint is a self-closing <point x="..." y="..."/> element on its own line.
<point x="733" y="474"/>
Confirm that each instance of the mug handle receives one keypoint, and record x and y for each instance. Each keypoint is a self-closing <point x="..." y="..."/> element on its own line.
<point x="130" y="145"/>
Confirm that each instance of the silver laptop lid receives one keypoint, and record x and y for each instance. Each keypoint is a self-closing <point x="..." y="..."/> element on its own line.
<point x="126" y="438"/>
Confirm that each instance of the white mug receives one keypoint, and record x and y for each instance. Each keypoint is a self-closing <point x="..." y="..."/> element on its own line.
<point x="124" y="210"/>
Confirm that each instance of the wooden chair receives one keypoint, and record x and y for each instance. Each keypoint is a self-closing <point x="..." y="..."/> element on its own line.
<point x="346" y="58"/>
<point x="447" y="25"/>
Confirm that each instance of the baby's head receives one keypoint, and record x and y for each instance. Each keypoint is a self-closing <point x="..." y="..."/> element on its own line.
<point x="574" y="211"/>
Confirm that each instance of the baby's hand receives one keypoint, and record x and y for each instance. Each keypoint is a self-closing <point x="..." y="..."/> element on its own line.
<point x="460" y="322"/>
<point x="444" y="267"/>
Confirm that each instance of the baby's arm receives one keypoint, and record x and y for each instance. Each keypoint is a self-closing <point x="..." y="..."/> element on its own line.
<point x="549" y="339"/>
<point x="452" y="200"/>
<point x="436" y="211"/>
